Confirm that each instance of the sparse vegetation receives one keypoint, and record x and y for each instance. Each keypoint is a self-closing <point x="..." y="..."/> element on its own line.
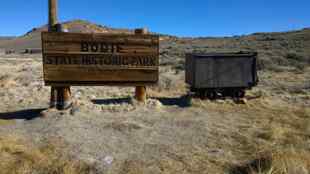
<point x="285" y="149"/>
<point x="288" y="161"/>
<point x="21" y="157"/>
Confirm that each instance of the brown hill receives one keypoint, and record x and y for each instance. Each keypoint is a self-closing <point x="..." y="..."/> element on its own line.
<point x="32" y="39"/>
<point x="276" y="50"/>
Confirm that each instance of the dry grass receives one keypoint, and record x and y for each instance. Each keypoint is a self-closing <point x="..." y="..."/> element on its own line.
<point x="7" y="81"/>
<point x="272" y="137"/>
<point x="6" y="122"/>
<point x="289" y="161"/>
<point x="283" y="133"/>
<point x="19" y="157"/>
<point x="274" y="142"/>
<point x="170" y="161"/>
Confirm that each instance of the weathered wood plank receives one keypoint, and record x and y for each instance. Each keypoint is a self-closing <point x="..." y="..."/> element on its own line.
<point x="101" y="75"/>
<point x="91" y="83"/>
<point x="148" y="39"/>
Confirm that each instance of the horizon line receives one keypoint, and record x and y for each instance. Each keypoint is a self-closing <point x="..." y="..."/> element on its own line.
<point x="179" y="36"/>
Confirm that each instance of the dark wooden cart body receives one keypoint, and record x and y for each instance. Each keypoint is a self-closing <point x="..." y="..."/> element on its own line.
<point x="221" y="73"/>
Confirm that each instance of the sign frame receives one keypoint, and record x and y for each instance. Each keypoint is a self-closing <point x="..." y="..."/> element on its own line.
<point x="88" y="55"/>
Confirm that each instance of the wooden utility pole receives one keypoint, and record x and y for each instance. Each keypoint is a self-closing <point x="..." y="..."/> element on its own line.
<point x="52" y="14"/>
<point x="141" y="90"/>
<point x="60" y="95"/>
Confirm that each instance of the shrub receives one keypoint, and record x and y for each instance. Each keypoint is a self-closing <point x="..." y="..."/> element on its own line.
<point x="293" y="56"/>
<point x="268" y="64"/>
<point x="19" y="157"/>
<point x="282" y="162"/>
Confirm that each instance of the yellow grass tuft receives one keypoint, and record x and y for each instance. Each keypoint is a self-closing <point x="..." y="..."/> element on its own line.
<point x="6" y="122"/>
<point x="19" y="157"/>
<point x="278" y="162"/>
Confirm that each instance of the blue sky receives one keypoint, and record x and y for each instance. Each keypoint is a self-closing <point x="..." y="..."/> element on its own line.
<point x="176" y="17"/>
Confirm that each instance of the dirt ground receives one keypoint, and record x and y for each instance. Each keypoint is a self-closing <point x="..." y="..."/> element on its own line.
<point x="171" y="133"/>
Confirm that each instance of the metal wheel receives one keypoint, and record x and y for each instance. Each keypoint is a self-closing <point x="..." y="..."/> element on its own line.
<point x="202" y="94"/>
<point x="212" y="95"/>
<point x="228" y="93"/>
<point x="239" y="93"/>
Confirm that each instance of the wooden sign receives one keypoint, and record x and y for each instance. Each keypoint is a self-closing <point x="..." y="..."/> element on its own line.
<point x="78" y="59"/>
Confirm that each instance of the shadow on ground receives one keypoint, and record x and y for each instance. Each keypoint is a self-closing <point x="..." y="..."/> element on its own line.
<point x="182" y="101"/>
<point x="24" y="114"/>
<point x="260" y="165"/>
<point x="176" y="101"/>
<point x="111" y="101"/>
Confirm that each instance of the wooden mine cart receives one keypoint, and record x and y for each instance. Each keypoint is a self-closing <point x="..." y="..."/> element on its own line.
<point x="221" y="74"/>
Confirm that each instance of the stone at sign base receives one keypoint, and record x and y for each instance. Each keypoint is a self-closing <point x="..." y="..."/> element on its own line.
<point x="241" y="101"/>
<point x="64" y="105"/>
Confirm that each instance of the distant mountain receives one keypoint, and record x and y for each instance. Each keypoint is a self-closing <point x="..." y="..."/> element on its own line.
<point x="7" y="37"/>
<point x="279" y="48"/>
<point x="32" y="39"/>
<point x="81" y="26"/>
<point x="275" y="50"/>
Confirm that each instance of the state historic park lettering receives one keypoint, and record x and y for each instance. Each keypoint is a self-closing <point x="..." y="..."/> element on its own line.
<point x="103" y="60"/>
<point x="100" y="59"/>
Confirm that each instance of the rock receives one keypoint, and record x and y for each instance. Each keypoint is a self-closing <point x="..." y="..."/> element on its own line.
<point x="188" y="100"/>
<point x="108" y="160"/>
<point x="78" y="95"/>
<point x="154" y="104"/>
<point x="90" y="161"/>
<point x="74" y="109"/>
<point x="92" y="97"/>
<point x="36" y="84"/>
<point x="20" y="121"/>
<point x="220" y="101"/>
<point x="44" y="113"/>
<point x="133" y="101"/>
<point x="215" y="152"/>
<point x="7" y="82"/>
<point x="241" y="101"/>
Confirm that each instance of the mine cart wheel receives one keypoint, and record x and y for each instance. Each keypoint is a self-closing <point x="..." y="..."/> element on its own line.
<point x="201" y="94"/>
<point x="193" y="89"/>
<point x="228" y="93"/>
<point x="212" y="95"/>
<point x="239" y="93"/>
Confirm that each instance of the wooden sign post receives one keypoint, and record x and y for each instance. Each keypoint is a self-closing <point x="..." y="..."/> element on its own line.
<point x="96" y="59"/>
<point x="141" y="90"/>
<point x="60" y="95"/>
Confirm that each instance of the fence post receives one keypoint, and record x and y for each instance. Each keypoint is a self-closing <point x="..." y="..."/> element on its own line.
<point x="60" y="96"/>
<point x="141" y="90"/>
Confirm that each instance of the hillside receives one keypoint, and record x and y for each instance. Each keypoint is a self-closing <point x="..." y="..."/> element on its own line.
<point x="6" y="38"/>
<point x="276" y="50"/>
<point x="32" y="39"/>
